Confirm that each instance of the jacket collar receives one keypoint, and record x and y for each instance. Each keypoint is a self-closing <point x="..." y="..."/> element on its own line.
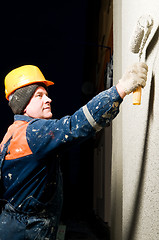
<point x="22" y="118"/>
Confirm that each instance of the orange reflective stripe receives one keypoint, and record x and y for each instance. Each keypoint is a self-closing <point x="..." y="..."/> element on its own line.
<point x="18" y="146"/>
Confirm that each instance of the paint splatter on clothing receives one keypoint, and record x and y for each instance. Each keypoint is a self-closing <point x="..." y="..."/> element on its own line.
<point x="32" y="182"/>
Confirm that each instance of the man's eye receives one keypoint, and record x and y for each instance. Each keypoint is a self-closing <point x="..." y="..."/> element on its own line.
<point x="39" y="95"/>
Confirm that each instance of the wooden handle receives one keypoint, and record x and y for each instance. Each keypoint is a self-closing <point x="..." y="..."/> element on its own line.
<point x="137" y="96"/>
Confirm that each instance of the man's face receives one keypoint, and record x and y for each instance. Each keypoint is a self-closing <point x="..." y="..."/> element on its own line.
<point x="39" y="105"/>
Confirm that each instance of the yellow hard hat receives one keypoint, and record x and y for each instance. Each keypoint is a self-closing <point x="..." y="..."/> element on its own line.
<point x="23" y="76"/>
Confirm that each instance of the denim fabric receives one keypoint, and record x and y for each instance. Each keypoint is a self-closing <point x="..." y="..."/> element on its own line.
<point x="18" y="226"/>
<point x="41" y="225"/>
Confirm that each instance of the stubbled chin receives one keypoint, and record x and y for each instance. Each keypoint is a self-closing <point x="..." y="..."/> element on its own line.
<point x="48" y="116"/>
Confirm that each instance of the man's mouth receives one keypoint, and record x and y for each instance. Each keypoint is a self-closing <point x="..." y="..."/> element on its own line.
<point x="47" y="108"/>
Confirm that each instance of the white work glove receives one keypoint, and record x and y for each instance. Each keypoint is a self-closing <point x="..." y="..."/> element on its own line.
<point x="134" y="77"/>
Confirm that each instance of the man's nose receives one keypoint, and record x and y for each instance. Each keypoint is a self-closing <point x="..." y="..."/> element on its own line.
<point x="47" y="99"/>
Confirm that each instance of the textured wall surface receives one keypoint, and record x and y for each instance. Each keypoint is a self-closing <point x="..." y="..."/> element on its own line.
<point x="139" y="132"/>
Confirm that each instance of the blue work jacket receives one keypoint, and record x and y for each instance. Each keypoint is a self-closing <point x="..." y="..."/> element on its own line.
<point x="30" y="172"/>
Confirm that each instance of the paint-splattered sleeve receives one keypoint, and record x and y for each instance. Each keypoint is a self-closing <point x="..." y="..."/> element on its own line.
<point x="103" y="108"/>
<point x="96" y="114"/>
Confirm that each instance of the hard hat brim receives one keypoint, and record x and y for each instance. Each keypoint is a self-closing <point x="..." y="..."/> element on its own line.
<point x="46" y="82"/>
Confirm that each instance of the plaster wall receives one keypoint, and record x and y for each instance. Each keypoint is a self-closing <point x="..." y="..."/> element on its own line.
<point x="135" y="161"/>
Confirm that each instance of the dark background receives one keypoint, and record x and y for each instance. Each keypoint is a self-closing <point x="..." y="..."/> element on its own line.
<point x="60" y="37"/>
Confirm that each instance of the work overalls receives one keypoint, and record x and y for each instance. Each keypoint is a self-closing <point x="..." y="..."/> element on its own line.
<point x="43" y="225"/>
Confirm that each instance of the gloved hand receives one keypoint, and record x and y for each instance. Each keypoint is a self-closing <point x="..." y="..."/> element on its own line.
<point x="135" y="76"/>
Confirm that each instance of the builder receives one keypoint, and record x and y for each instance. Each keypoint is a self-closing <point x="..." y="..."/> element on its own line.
<point x="31" y="182"/>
